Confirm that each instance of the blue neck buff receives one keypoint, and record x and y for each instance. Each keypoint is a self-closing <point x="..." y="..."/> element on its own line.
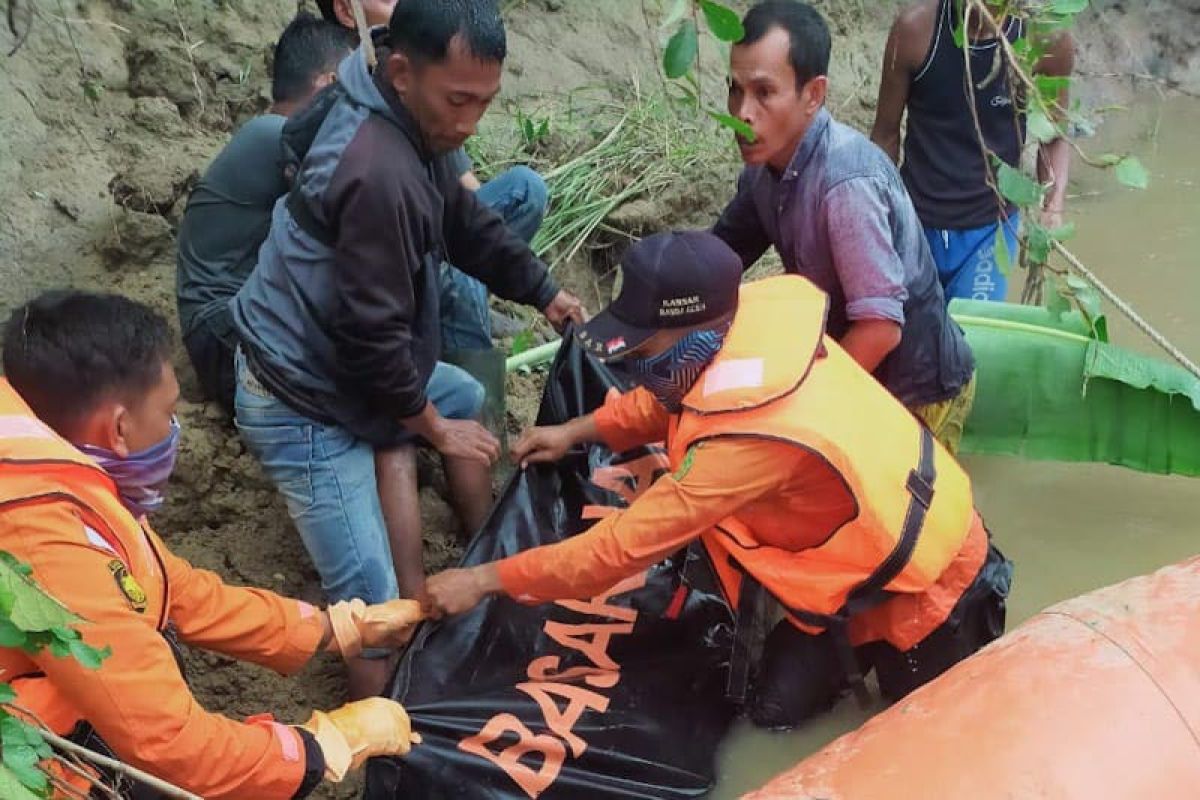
<point x="670" y="375"/>
<point x="142" y="477"/>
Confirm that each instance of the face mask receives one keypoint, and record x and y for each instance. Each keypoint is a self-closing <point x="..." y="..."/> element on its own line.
<point x="142" y="477"/>
<point x="671" y="374"/>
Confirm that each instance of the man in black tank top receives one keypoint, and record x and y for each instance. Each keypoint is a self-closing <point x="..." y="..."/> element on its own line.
<point x="944" y="168"/>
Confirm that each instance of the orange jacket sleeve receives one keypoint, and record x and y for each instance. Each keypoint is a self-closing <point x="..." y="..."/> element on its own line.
<point x="628" y="420"/>
<point x="252" y="625"/>
<point x="672" y="512"/>
<point x="137" y="700"/>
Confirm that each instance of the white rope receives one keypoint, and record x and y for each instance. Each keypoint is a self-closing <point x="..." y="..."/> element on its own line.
<point x="1128" y="311"/>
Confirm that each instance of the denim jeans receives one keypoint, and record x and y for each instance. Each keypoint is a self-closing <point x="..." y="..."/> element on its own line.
<point x="327" y="478"/>
<point x="519" y="196"/>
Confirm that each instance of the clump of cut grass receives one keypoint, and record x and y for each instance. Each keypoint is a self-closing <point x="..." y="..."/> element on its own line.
<point x="611" y="152"/>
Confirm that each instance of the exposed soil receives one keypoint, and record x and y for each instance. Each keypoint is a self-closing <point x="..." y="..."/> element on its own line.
<point x="108" y="118"/>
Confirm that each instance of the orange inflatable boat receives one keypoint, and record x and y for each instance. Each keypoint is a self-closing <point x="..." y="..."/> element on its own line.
<point x="1097" y="698"/>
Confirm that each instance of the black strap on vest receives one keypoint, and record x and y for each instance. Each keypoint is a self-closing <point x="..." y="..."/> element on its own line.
<point x="871" y="592"/>
<point x="745" y="624"/>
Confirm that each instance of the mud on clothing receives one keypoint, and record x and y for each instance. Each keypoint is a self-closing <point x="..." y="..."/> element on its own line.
<point x="347" y="332"/>
<point x="839" y="215"/>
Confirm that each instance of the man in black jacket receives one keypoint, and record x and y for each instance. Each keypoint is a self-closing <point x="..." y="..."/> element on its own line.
<point x="339" y="322"/>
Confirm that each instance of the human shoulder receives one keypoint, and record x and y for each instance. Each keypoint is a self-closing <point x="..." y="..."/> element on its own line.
<point x="1059" y="58"/>
<point x="851" y="156"/>
<point x="912" y="33"/>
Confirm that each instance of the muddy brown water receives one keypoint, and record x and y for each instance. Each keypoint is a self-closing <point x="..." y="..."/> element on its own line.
<point x="1072" y="528"/>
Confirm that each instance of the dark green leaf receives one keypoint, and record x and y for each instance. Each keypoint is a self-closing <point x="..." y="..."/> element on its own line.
<point x="1058" y="302"/>
<point x="1064" y="233"/>
<point x="522" y="342"/>
<point x="1067" y="6"/>
<point x="22" y="760"/>
<point x="89" y="657"/>
<point x="32" y="609"/>
<point x="960" y="35"/>
<point x="11" y="635"/>
<point x="1108" y="160"/>
<point x="11" y="787"/>
<point x="1131" y="173"/>
<point x="1041" y="128"/>
<point x="734" y="124"/>
<point x="1037" y="243"/>
<point x="722" y="21"/>
<point x="1051" y="86"/>
<point x="1017" y="187"/>
<point x="7" y="695"/>
<point x="1003" y="257"/>
<point x="681" y="50"/>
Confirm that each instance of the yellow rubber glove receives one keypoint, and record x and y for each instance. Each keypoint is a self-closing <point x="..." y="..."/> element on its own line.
<point x="357" y="625"/>
<point x="350" y="735"/>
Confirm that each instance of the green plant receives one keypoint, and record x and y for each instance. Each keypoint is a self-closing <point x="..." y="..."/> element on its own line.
<point x="32" y="621"/>
<point x="533" y="130"/>
<point x="641" y="146"/>
<point x="681" y="58"/>
<point x="1038" y="97"/>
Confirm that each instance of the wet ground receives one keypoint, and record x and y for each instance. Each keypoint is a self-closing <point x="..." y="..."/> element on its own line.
<point x="1072" y="528"/>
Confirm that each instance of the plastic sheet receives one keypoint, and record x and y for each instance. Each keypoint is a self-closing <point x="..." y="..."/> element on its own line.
<point x="619" y="696"/>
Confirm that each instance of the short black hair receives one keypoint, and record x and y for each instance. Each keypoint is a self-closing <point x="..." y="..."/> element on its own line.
<point x="806" y="28"/>
<point x="66" y="351"/>
<point x="423" y="30"/>
<point x="326" y="9"/>
<point x="307" y="47"/>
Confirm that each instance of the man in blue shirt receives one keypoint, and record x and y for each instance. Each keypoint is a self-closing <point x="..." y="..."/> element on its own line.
<point x="229" y="212"/>
<point x="836" y="211"/>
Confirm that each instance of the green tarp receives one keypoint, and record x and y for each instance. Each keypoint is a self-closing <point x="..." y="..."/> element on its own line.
<point x="1050" y="388"/>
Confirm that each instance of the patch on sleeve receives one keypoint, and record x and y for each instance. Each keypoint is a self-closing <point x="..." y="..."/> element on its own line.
<point x="686" y="466"/>
<point x="96" y="540"/>
<point x="130" y="588"/>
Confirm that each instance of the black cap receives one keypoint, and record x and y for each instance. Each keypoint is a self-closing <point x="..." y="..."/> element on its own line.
<point x="678" y="279"/>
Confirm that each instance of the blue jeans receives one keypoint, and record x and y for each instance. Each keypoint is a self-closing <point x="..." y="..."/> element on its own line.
<point x="519" y="196"/>
<point x="966" y="260"/>
<point x="327" y="478"/>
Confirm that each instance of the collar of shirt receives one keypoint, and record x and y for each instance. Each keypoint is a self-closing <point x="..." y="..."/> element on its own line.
<point x="807" y="147"/>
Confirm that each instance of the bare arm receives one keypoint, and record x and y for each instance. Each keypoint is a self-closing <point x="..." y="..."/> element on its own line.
<point x="893" y="88"/>
<point x="869" y="341"/>
<point x="1054" y="158"/>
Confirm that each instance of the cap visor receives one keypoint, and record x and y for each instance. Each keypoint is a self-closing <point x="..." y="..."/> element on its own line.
<point x="608" y="338"/>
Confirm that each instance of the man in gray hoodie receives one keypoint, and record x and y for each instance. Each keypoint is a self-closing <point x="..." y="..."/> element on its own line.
<point x="339" y="322"/>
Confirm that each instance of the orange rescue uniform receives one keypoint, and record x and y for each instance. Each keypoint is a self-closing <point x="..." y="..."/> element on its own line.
<point x="61" y="514"/>
<point x="791" y="461"/>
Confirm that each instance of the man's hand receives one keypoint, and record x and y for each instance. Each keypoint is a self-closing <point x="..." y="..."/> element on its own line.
<point x="1051" y="218"/>
<point x="357" y="625"/>
<point x="457" y="591"/>
<point x="565" y="306"/>
<point x="467" y="439"/>
<point x="540" y="445"/>
<point x="349" y="735"/>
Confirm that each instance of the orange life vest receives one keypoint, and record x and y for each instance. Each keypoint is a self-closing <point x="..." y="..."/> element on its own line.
<point x="779" y="377"/>
<point x="38" y="467"/>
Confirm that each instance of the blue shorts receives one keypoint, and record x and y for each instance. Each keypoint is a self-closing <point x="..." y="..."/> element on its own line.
<point x="327" y="479"/>
<point x="966" y="260"/>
